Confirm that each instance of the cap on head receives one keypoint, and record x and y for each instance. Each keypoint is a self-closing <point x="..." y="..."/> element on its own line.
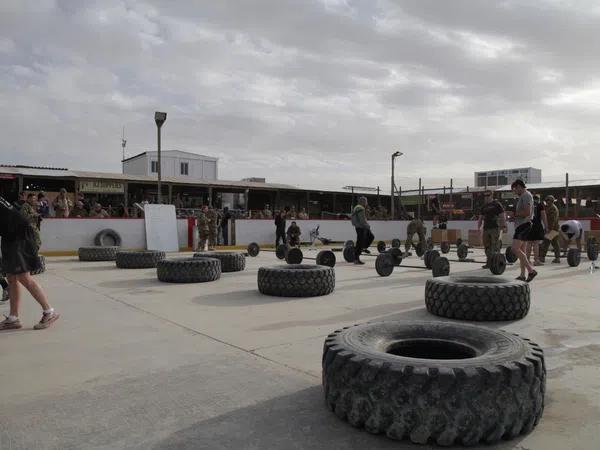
<point x="550" y="198"/>
<point x="362" y="200"/>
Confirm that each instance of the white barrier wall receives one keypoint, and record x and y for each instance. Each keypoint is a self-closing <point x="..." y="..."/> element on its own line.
<point x="262" y="231"/>
<point x="70" y="234"/>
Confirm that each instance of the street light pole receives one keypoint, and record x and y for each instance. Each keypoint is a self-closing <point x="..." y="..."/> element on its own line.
<point x="393" y="188"/>
<point x="159" y="118"/>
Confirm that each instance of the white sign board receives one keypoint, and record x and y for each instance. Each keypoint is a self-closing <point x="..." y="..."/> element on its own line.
<point x="161" y="228"/>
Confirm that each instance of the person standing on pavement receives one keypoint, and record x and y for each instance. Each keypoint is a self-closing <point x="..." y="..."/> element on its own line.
<point x="203" y="228"/>
<point x="19" y="258"/>
<point x="280" y="226"/>
<point x="538" y="226"/>
<point x="552" y="231"/>
<point x="523" y="217"/>
<point x="62" y="205"/>
<point x="213" y="223"/>
<point x="225" y="225"/>
<point x="364" y="237"/>
<point x="493" y="218"/>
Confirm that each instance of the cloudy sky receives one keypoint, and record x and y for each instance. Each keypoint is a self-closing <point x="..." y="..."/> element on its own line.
<point x="316" y="93"/>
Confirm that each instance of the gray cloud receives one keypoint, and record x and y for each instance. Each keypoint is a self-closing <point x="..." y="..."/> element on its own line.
<point x="316" y="93"/>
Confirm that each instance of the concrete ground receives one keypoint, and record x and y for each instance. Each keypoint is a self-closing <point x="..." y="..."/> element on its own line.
<point x="135" y="363"/>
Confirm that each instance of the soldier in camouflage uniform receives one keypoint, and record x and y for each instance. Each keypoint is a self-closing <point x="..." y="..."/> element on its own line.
<point x="29" y="211"/>
<point x="203" y="229"/>
<point x="213" y="219"/>
<point x="415" y="226"/>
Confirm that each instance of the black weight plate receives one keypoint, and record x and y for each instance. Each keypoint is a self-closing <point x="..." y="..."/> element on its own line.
<point x="462" y="252"/>
<point x="396" y="255"/>
<point x="349" y="244"/>
<point x="253" y="249"/>
<point x="497" y="263"/>
<point x="349" y="254"/>
<point x="592" y="249"/>
<point x="294" y="256"/>
<point x="441" y="267"/>
<point x="445" y="247"/>
<point x="458" y="242"/>
<point x="510" y="255"/>
<point x="574" y="257"/>
<point x="420" y="249"/>
<point x="430" y="257"/>
<point x="281" y="251"/>
<point x="381" y="246"/>
<point x="384" y="265"/>
<point x="396" y="243"/>
<point x="326" y="258"/>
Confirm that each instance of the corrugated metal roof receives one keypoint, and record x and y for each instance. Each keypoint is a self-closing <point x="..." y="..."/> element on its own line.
<point x="65" y="173"/>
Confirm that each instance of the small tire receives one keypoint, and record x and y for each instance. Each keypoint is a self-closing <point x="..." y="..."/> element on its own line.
<point x="434" y="382"/>
<point x="100" y="238"/>
<point x="139" y="260"/>
<point x="97" y="253"/>
<point x="296" y="280"/>
<point x="188" y="270"/>
<point x="477" y="298"/>
<point x="230" y="261"/>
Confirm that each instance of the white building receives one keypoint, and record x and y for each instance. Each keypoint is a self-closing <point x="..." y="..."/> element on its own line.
<point x="174" y="163"/>
<point x="493" y="178"/>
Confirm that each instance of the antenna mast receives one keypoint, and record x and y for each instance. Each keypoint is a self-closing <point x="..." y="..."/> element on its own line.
<point x="123" y="143"/>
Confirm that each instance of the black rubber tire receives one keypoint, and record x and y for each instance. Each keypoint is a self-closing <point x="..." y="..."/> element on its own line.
<point x="396" y="243"/>
<point x="429" y="257"/>
<point x="497" y="263"/>
<point x="445" y="247"/>
<point x="349" y="244"/>
<point x="477" y="298"/>
<point x="498" y="394"/>
<point x="188" y="270"/>
<point x="42" y="267"/>
<point x="146" y="259"/>
<point x="97" y="253"/>
<point x="294" y="256"/>
<point x="296" y="280"/>
<point x="230" y="261"/>
<point x="510" y="255"/>
<point x="107" y="233"/>
<point x="349" y="254"/>
<point x="326" y="258"/>
<point x="440" y="267"/>
<point x="573" y="257"/>
<point x="592" y="249"/>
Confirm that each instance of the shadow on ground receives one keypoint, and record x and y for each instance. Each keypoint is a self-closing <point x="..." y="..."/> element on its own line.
<point x="296" y="421"/>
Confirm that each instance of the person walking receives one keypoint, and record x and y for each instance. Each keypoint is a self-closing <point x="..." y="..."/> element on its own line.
<point x="523" y="218"/>
<point x="19" y="258"/>
<point x="538" y="226"/>
<point x="493" y="218"/>
<point x="364" y="236"/>
<point x="280" y="226"/>
<point x="552" y="231"/>
<point x="225" y="225"/>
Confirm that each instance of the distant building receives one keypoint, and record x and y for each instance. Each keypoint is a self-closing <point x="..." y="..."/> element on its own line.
<point x="174" y="163"/>
<point x="494" y="178"/>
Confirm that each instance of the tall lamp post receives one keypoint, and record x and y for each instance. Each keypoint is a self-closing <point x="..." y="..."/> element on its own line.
<point x="393" y="189"/>
<point x="159" y="118"/>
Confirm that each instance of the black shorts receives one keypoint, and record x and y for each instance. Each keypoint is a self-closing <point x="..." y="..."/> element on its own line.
<point x="536" y="233"/>
<point x="20" y="255"/>
<point x="522" y="231"/>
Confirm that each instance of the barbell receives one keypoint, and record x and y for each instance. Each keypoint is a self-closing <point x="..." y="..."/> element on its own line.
<point x="386" y="262"/>
<point x="294" y="255"/>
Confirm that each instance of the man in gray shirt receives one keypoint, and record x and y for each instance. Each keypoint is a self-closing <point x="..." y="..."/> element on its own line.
<point x="523" y="217"/>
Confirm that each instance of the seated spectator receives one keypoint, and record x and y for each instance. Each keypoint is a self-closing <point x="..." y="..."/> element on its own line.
<point x="98" y="212"/>
<point x="43" y="205"/>
<point x="121" y="212"/>
<point x="302" y="214"/>
<point x="78" y="211"/>
<point x="293" y="234"/>
<point x="86" y="204"/>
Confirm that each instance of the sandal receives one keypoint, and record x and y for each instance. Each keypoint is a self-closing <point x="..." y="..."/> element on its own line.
<point x="521" y="278"/>
<point x="531" y="276"/>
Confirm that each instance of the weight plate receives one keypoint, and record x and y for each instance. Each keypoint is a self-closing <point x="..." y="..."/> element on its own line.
<point x="349" y="244"/>
<point x="281" y="251"/>
<point x="458" y="242"/>
<point x="497" y="263"/>
<point x="445" y="247"/>
<point x="462" y="252"/>
<point x="430" y="257"/>
<point x="396" y="255"/>
<point x="420" y="249"/>
<point x="384" y="265"/>
<point x="573" y="257"/>
<point x="441" y="267"/>
<point x="381" y="246"/>
<point x="592" y="249"/>
<point x="510" y="255"/>
<point x="253" y="249"/>
<point x="396" y="243"/>
<point x="429" y="244"/>
<point x="349" y="254"/>
<point x="326" y="258"/>
<point x="294" y="256"/>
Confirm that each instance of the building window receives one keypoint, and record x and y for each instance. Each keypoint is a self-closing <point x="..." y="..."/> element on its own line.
<point x="154" y="166"/>
<point x="184" y="168"/>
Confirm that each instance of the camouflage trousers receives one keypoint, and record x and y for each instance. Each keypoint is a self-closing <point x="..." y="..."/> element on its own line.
<point x="411" y="230"/>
